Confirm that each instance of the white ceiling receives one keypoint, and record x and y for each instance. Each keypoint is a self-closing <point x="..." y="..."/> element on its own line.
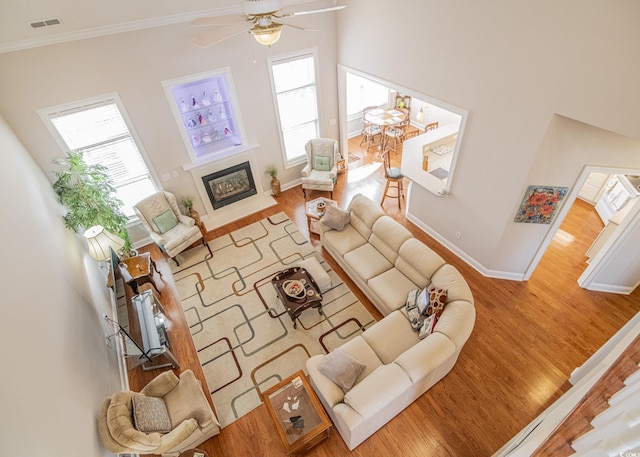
<point x="87" y="18"/>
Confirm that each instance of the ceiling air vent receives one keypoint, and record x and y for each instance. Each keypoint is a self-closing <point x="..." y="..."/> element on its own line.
<point x="45" y="23"/>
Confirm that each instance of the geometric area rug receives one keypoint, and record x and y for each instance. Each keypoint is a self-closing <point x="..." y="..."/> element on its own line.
<point x="245" y="339"/>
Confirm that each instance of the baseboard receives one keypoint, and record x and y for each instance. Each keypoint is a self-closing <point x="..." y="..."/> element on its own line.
<point x="463" y="255"/>
<point x="598" y="287"/>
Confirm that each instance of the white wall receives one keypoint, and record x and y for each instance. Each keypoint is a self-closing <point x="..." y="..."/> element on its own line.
<point x="57" y="368"/>
<point x="134" y="64"/>
<point x="513" y="65"/>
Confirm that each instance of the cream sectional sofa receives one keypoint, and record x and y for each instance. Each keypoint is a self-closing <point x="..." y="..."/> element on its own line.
<point x="387" y="262"/>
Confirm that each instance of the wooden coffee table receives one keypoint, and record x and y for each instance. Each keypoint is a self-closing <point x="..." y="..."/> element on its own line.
<point x="295" y="306"/>
<point x="141" y="268"/>
<point x="297" y="414"/>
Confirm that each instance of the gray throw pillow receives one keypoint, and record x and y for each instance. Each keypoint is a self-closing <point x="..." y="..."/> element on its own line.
<point x="150" y="414"/>
<point x="335" y="218"/>
<point x="341" y="369"/>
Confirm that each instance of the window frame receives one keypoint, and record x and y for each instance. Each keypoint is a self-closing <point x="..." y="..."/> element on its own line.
<point x="47" y="114"/>
<point x="283" y="58"/>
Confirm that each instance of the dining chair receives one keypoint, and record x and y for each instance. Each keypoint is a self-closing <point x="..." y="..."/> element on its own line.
<point x="411" y="134"/>
<point x="431" y="126"/>
<point x="394" y="179"/>
<point x="395" y="133"/>
<point x="369" y="133"/>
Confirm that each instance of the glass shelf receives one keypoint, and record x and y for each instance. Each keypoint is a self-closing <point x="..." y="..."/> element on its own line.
<point x="205" y="109"/>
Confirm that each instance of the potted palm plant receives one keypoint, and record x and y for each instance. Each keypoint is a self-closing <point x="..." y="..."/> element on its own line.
<point x="272" y="171"/>
<point x="89" y="196"/>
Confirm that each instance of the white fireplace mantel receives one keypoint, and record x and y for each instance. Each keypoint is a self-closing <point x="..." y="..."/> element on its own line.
<point x="215" y="218"/>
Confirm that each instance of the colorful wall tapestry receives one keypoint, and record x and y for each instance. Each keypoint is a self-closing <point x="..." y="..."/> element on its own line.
<point x="540" y="204"/>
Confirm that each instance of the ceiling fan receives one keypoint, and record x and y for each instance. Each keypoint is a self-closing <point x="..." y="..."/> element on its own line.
<point x="259" y="19"/>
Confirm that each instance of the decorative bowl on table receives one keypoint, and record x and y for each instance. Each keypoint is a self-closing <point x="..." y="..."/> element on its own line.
<point x="294" y="288"/>
<point x="321" y="207"/>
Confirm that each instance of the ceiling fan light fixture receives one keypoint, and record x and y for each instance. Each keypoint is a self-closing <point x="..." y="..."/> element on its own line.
<point x="267" y="34"/>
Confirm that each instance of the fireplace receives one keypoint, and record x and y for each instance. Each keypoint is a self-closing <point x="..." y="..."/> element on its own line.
<point x="229" y="185"/>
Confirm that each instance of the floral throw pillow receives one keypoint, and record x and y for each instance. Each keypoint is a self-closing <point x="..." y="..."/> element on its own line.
<point x="437" y="300"/>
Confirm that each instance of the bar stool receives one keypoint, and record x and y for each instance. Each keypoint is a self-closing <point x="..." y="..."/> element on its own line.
<point x="394" y="178"/>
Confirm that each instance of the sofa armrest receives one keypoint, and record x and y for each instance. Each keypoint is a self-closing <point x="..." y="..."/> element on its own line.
<point x="334" y="171"/>
<point x="325" y="388"/>
<point x="306" y="170"/>
<point x="186" y="220"/>
<point x="161" y="385"/>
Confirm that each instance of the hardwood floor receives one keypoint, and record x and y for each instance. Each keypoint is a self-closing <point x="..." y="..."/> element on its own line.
<point x="528" y="338"/>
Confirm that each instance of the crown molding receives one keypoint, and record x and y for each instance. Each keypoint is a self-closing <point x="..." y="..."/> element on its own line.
<point x="126" y="27"/>
<point x="115" y="29"/>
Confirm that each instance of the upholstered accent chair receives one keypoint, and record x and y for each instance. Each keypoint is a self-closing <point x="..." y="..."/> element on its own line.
<point x="177" y="407"/>
<point x="171" y="230"/>
<point x="321" y="170"/>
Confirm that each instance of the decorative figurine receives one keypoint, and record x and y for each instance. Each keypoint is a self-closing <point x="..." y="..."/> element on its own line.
<point x="194" y="103"/>
<point x="195" y="139"/>
<point x="210" y="116"/>
<point x="201" y="119"/>
<point x="191" y="123"/>
<point x="183" y="106"/>
<point x="206" y="138"/>
<point x="216" y="96"/>
<point x="216" y="134"/>
<point x="205" y="99"/>
<point x="221" y="114"/>
<point x="227" y="131"/>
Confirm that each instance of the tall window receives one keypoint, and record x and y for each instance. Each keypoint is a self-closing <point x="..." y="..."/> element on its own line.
<point x="294" y="83"/>
<point x="363" y="92"/>
<point x="100" y="130"/>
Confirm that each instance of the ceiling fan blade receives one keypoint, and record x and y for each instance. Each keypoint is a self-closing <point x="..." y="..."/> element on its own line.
<point x="220" y="34"/>
<point x="324" y="10"/>
<point x="219" y="20"/>
<point x="298" y="27"/>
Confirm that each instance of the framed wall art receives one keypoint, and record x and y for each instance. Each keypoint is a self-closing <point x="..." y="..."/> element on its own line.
<point x="540" y="204"/>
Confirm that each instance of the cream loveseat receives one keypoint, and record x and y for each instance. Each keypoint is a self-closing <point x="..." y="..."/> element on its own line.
<point x="386" y="262"/>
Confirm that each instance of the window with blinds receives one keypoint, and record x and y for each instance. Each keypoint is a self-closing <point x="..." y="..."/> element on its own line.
<point x="101" y="132"/>
<point x="294" y="85"/>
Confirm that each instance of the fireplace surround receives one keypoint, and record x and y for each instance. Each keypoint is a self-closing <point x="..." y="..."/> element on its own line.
<point x="230" y="185"/>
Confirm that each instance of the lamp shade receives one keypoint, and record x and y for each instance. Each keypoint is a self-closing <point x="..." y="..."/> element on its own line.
<point x="267" y="34"/>
<point x="100" y="240"/>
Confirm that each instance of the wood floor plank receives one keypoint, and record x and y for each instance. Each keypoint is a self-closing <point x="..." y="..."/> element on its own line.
<point x="528" y="338"/>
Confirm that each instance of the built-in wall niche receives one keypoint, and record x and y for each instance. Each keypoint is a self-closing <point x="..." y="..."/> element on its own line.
<point x="207" y="113"/>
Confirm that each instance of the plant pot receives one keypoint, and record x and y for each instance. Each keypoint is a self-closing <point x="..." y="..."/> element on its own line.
<point x="275" y="187"/>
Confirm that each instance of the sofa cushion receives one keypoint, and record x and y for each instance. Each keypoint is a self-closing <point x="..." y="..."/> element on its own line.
<point x="387" y="237"/>
<point x="456" y="321"/>
<point x="448" y="277"/>
<point x="390" y="336"/>
<point x="345" y="241"/>
<point x="341" y="369"/>
<point x="364" y="213"/>
<point x="359" y="349"/>
<point x="150" y="414"/>
<point x="367" y="262"/>
<point x="392" y="287"/>
<point x="379" y="391"/>
<point x="418" y="262"/>
<point x="335" y="218"/>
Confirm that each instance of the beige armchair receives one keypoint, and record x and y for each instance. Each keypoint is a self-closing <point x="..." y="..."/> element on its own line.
<point x="189" y="414"/>
<point x="321" y="170"/>
<point x="171" y="230"/>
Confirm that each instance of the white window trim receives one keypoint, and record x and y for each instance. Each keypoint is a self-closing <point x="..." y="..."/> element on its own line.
<point x="73" y="107"/>
<point x="283" y="58"/>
